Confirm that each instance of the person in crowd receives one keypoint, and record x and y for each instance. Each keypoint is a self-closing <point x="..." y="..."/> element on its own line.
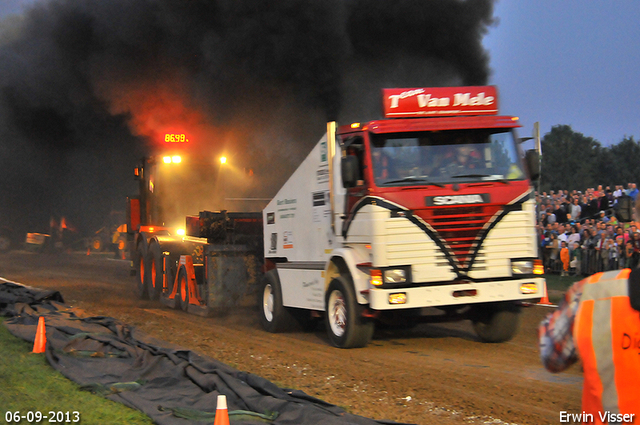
<point x="543" y="219"/>
<point x="573" y="237"/>
<point x="630" y="231"/>
<point x="618" y="192"/>
<point x="560" y="212"/>
<point x="603" y="217"/>
<point x="632" y="191"/>
<point x="622" y="260"/>
<point x="635" y="241"/>
<point x="565" y="258"/>
<point x="612" y="254"/>
<point x="554" y="250"/>
<point x="575" y="208"/>
<point x="603" y="201"/>
<point x="592" y="206"/>
<point x="575" y="261"/>
<point x="628" y="253"/>
<point x="562" y="234"/>
<point x="597" y="193"/>
<point x="546" y="252"/>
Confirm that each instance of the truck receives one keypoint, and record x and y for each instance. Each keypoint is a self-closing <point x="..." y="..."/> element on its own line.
<point x="427" y="214"/>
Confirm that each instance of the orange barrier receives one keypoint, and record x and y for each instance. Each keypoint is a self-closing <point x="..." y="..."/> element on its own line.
<point x="545" y="297"/>
<point x="41" y="337"/>
<point x="222" y="416"/>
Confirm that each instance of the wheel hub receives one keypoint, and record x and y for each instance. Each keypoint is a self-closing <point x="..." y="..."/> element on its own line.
<point x="267" y="303"/>
<point x="338" y="313"/>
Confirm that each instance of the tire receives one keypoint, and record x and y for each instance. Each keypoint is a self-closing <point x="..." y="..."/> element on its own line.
<point x="154" y="264"/>
<point x="182" y="296"/>
<point x="273" y="315"/>
<point x="97" y="245"/>
<point x="122" y="247"/>
<point x="345" y="325"/>
<point x="497" y="322"/>
<point x="141" y="272"/>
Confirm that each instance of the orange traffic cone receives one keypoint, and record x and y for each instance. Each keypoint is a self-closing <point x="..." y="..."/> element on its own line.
<point x="41" y="337"/>
<point x="545" y="297"/>
<point x="222" y="416"/>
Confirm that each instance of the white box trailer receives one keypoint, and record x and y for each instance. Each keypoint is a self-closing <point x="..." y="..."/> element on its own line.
<point x="384" y="220"/>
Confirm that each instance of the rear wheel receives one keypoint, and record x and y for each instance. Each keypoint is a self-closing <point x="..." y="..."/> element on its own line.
<point x="154" y="261"/>
<point x="273" y="315"/>
<point x="344" y="322"/>
<point x="497" y="322"/>
<point x="141" y="272"/>
<point x="183" y="290"/>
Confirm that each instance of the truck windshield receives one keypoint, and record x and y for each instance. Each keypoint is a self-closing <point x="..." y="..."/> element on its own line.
<point x="450" y="156"/>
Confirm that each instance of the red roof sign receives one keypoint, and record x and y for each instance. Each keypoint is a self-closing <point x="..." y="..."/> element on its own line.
<point x="438" y="101"/>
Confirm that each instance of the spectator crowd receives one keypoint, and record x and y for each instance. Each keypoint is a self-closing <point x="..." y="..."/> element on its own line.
<point x="580" y="235"/>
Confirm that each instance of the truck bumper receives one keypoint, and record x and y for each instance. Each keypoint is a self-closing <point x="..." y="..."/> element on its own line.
<point x="455" y="294"/>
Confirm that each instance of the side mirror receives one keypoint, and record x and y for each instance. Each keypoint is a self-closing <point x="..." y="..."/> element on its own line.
<point x="532" y="159"/>
<point x="350" y="171"/>
<point x="624" y="209"/>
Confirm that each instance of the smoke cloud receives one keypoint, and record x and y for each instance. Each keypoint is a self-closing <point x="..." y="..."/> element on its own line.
<point x="88" y="87"/>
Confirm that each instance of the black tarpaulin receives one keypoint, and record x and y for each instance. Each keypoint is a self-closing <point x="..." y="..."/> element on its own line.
<point x="170" y="384"/>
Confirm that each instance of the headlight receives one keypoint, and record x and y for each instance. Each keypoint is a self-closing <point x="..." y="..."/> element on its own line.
<point x="395" y="276"/>
<point x="522" y="266"/>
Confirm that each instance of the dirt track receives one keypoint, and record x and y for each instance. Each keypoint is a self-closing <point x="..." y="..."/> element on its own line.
<point x="433" y="374"/>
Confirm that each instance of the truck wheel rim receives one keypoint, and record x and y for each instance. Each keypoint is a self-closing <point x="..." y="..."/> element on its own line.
<point x="153" y="274"/>
<point x="141" y="268"/>
<point x="267" y="303"/>
<point x="337" y="313"/>
<point x="183" y="289"/>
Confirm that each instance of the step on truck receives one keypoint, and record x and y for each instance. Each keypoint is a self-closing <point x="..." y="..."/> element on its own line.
<point x="425" y="215"/>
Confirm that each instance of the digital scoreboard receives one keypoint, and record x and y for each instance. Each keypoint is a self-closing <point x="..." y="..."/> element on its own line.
<point x="176" y="138"/>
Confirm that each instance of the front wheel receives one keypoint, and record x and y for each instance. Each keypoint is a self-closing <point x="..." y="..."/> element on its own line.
<point x="273" y="315"/>
<point x="496" y="322"/>
<point x="344" y="322"/>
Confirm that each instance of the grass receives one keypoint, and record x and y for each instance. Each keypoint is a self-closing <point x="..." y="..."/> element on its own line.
<point x="555" y="282"/>
<point x="30" y="384"/>
<point x="561" y="283"/>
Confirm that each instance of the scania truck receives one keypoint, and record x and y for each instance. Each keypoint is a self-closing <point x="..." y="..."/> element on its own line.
<point x="386" y="221"/>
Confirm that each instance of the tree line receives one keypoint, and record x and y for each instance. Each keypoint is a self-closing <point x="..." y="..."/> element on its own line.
<point x="571" y="160"/>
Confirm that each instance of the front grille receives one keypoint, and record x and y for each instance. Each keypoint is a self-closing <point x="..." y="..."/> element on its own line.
<point x="459" y="226"/>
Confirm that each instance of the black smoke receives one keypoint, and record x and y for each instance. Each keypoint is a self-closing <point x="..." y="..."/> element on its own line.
<point x="87" y="87"/>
